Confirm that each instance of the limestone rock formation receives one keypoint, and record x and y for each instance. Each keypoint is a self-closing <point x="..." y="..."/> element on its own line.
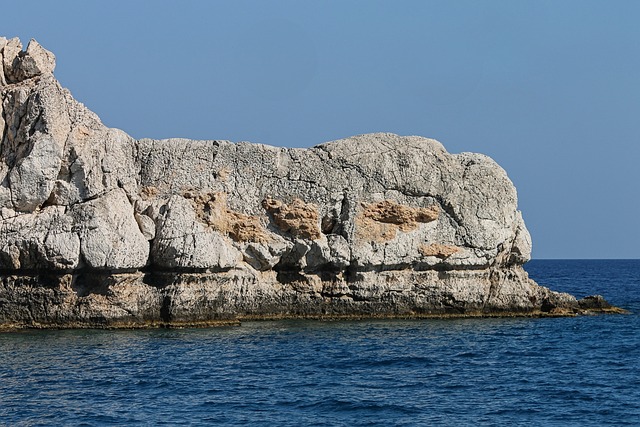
<point x="98" y="229"/>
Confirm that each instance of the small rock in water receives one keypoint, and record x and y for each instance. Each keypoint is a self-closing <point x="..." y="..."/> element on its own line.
<point x="594" y="302"/>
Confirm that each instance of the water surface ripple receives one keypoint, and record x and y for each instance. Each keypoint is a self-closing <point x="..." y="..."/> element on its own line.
<point x="569" y="371"/>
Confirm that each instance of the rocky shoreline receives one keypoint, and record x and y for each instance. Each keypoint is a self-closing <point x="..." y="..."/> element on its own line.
<point x="100" y="230"/>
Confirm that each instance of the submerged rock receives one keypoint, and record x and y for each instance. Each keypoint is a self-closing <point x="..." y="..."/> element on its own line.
<point x="101" y="230"/>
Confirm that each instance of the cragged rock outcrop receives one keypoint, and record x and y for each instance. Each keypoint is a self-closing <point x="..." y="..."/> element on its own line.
<point x="299" y="219"/>
<point x="98" y="229"/>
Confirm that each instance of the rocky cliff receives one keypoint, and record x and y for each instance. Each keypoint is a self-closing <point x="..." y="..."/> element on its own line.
<point x="98" y="229"/>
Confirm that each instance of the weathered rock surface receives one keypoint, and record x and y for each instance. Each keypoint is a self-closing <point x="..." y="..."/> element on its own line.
<point x="98" y="229"/>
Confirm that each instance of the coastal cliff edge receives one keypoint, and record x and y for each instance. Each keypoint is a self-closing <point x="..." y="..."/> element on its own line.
<point x="98" y="229"/>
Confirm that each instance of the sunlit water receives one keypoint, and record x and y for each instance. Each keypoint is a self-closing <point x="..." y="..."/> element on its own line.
<point x="566" y="371"/>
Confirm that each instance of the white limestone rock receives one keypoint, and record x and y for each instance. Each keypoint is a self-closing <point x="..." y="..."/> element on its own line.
<point x="45" y="240"/>
<point x="101" y="160"/>
<point x="109" y="234"/>
<point x="10" y="53"/>
<point x="32" y="178"/>
<point x="183" y="242"/>
<point x="35" y="62"/>
<point x="3" y="80"/>
<point x="147" y="226"/>
<point x="264" y="256"/>
<point x="139" y="232"/>
<point x="72" y="159"/>
<point x="18" y="65"/>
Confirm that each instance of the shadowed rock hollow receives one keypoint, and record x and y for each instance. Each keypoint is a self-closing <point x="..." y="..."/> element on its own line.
<point x="101" y="230"/>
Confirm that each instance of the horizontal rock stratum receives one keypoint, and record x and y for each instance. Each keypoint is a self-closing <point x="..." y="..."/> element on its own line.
<point x="101" y="230"/>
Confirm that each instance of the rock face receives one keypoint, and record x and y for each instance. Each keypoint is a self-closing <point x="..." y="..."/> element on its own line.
<point x="98" y="229"/>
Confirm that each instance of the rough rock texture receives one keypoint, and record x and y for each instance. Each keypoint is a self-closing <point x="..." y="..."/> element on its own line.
<point x="100" y="230"/>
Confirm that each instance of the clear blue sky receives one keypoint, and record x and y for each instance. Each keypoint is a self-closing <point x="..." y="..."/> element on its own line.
<point x="549" y="89"/>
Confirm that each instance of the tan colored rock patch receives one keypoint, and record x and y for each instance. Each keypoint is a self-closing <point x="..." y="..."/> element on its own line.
<point x="211" y="209"/>
<point x="438" y="250"/>
<point x="299" y="219"/>
<point x="148" y="192"/>
<point x="380" y="221"/>
<point x="223" y="174"/>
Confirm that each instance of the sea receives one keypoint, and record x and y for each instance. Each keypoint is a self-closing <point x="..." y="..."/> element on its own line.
<point x="582" y="371"/>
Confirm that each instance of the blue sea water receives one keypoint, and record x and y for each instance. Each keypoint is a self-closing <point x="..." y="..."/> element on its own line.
<point x="582" y="371"/>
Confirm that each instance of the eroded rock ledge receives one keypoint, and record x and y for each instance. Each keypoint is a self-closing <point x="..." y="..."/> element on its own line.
<point x="98" y="229"/>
